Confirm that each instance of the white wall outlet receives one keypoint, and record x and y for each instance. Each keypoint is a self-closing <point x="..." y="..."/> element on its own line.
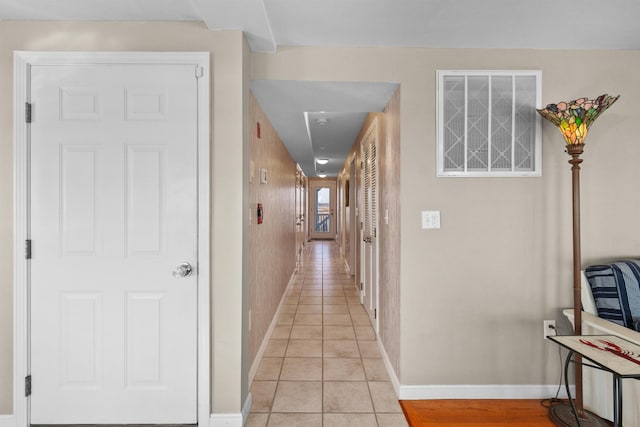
<point x="430" y="219"/>
<point x="549" y="328"/>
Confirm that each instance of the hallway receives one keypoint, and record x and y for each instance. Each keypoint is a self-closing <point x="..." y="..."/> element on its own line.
<point x="322" y="366"/>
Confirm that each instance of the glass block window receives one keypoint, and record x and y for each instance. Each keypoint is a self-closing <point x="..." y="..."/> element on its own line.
<point x="487" y="123"/>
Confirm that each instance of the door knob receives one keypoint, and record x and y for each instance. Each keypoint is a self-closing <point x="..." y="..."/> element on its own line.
<point x="183" y="270"/>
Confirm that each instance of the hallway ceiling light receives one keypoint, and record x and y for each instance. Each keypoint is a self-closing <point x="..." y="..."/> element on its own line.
<point x="322" y="175"/>
<point x="322" y="161"/>
<point x="322" y="121"/>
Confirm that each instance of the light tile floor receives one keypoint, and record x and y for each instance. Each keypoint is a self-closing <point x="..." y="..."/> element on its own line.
<point x="322" y="365"/>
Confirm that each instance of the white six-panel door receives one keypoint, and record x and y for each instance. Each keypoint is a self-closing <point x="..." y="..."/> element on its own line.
<point x="113" y="214"/>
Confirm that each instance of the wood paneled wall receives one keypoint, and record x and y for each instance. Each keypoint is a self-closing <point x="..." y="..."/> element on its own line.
<point x="272" y="243"/>
<point x="389" y="202"/>
<point x="388" y="152"/>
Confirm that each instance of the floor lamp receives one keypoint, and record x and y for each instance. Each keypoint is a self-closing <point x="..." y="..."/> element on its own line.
<point x="573" y="119"/>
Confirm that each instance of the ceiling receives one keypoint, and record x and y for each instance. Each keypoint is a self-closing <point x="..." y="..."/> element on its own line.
<point x="543" y="24"/>
<point x="268" y="24"/>
<point x="298" y="109"/>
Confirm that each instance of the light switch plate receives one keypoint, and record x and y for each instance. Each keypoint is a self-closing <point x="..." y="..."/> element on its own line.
<point x="430" y="220"/>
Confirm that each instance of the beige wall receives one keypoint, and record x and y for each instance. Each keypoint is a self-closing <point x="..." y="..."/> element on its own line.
<point x="474" y="293"/>
<point x="6" y="225"/>
<point x="229" y="101"/>
<point x="241" y="174"/>
<point x="273" y="251"/>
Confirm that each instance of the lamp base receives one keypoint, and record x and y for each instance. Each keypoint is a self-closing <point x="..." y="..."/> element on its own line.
<point x="562" y="415"/>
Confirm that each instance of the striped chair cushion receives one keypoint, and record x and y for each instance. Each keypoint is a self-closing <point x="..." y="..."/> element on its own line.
<point x="616" y="291"/>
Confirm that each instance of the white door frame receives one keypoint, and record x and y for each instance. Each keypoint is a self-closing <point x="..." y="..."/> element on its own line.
<point x="22" y="64"/>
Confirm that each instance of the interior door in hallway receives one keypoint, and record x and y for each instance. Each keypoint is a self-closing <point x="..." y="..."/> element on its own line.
<point x="322" y="210"/>
<point x="113" y="215"/>
<point x="354" y="225"/>
<point x="300" y="214"/>
<point x="370" y="225"/>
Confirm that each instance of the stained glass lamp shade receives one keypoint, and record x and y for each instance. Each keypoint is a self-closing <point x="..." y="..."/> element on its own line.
<point x="574" y="118"/>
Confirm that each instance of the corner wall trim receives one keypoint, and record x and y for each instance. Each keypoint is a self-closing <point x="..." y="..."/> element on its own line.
<point x="225" y="420"/>
<point x="247" y="408"/>
<point x="427" y="392"/>
<point x="7" y="421"/>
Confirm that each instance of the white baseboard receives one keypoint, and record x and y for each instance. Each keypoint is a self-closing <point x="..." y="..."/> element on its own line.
<point x="387" y="364"/>
<point x="7" y="421"/>
<point x="267" y="336"/>
<point x="432" y="392"/>
<point x="347" y="269"/>
<point x="226" y="420"/>
<point x="232" y="420"/>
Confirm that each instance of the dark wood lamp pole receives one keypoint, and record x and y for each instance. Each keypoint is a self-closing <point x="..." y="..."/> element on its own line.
<point x="575" y="150"/>
<point x="562" y="415"/>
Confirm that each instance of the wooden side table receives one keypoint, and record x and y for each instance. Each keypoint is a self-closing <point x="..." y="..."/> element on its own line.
<point x="606" y="352"/>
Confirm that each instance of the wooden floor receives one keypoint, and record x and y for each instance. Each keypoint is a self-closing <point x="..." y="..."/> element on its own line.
<point x="468" y="413"/>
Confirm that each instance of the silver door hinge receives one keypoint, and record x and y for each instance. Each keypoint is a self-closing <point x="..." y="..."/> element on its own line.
<point x="361" y="286"/>
<point x="27" y="386"/>
<point x="375" y="313"/>
<point x="199" y="71"/>
<point x="27" y="112"/>
<point x="27" y="249"/>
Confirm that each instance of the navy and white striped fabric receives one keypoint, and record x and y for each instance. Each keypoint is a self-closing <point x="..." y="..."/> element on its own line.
<point x="616" y="291"/>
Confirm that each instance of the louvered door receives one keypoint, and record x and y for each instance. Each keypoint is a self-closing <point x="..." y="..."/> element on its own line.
<point x="370" y="224"/>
